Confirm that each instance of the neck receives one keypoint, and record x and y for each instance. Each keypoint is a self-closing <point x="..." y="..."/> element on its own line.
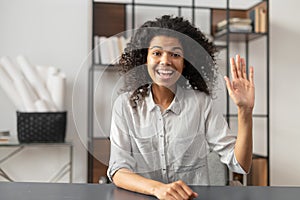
<point x="163" y="96"/>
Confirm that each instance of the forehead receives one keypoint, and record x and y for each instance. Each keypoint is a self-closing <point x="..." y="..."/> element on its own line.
<point x="166" y="42"/>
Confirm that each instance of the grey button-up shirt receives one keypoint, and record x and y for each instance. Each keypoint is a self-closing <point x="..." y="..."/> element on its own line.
<point x="173" y="144"/>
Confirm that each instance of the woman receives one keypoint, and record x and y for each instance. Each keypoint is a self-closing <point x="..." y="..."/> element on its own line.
<point x="164" y="124"/>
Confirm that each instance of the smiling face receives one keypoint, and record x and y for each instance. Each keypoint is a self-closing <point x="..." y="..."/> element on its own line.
<point x="165" y="61"/>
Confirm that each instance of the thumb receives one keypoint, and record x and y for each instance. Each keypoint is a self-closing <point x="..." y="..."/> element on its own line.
<point x="228" y="84"/>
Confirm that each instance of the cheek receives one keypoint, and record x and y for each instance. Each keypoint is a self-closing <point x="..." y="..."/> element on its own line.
<point x="181" y="66"/>
<point x="150" y="60"/>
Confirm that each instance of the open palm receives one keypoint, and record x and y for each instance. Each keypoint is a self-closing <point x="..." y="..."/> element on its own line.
<point x="241" y="89"/>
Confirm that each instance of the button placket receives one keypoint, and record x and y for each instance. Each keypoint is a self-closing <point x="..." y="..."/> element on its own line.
<point x="162" y="145"/>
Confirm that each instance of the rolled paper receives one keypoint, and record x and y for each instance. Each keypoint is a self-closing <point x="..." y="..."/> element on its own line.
<point x="57" y="90"/>
<point x="43" y="72"/>
<point x="13" y="71"/>
<point x="9" y="88"/>
<point x="27" y="94"/>
<point x="41" y="106"/>
<point x="51" y="71"/>
<point x="35" y="80"/>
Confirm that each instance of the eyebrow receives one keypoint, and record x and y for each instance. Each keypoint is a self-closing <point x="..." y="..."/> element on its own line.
<point x="159" y="47"/>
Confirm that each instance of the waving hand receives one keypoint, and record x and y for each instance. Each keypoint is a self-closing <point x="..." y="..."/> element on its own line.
<point x="241" y="89"/>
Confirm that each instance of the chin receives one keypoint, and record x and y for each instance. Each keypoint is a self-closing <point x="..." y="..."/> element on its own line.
<point x="169" y="85"/>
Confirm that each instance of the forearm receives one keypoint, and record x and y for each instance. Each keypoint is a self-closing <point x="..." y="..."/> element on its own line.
<point x="128" y="180"/>
<point x="243" y="146"/>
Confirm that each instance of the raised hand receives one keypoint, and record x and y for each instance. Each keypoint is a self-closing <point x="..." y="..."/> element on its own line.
<point x="241" y="89"/>
<point x="176" y="190"/>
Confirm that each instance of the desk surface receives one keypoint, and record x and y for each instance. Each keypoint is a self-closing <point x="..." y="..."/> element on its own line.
<point x="60" y="191"/>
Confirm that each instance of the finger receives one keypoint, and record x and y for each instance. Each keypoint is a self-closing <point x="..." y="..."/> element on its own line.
<point x="195" y="195"/>
<point x="228" y="84"/>
<point x="233" y="68"/>
<point x="173" y="193"/>
<point x="251" y="75"/>
<point x="187" y="190"/>
<point x="238" y="66"/>
<point x="179" y="188"/>
<point x="244" y="73"/>
<point x="170" y="197"/>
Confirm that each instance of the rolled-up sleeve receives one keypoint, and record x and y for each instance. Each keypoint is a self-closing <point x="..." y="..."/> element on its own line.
<point x="220" y="138"/>
<point x="120" y="151"/>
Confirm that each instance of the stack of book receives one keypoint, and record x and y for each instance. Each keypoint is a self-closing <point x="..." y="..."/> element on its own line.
<point x="4" y="136"/>
<point x="107" y="50"/>
<point x="235" y="25"/>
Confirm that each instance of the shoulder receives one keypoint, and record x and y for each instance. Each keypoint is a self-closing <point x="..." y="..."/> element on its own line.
<point x="195" y="95"/>
<point x="121" y="102"/>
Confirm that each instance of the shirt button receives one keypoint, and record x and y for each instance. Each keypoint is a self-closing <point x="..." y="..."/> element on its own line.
<point x="162" y="154"/>
<point x="164" y="169"/>
<point x="161" y="135"/>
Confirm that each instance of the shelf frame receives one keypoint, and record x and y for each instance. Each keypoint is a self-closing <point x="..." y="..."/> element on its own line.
<point x="230" y="37"/>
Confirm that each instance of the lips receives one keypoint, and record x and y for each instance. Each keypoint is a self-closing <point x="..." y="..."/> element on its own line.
<point x="165" y="73"/>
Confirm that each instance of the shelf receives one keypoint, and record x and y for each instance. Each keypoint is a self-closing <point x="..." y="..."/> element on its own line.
<point x="254" y="115"/>
<point x="239" y="37"/>
<point x="221" y="47"/>
<point x="99" y="67"/>
<point x="256" y="156"/>
<point x="183" y="4"/>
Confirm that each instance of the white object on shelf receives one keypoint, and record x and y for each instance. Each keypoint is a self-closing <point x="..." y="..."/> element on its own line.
<point x="35" y="80"/>
<point x="9" y="88"/>
<point x="96" y="51"/>
<point x="27" y="94"/>
<point x="41" y="106"/>
<point x="57" y="90"/>
<point x="12" y="70"/>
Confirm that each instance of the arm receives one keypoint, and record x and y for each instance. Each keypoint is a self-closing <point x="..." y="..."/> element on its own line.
<point x="241" y="90"/>
<point x="128" y="180"/>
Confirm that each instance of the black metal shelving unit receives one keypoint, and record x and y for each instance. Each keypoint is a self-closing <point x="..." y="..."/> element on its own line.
<point x="227" y="37"/>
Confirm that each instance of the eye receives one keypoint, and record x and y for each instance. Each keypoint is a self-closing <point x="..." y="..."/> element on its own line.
<point x="156" y="53"/>
<point x="176" y="55"/>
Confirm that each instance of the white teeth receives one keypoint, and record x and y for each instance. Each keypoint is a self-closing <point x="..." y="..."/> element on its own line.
<point x="165" y="72"/>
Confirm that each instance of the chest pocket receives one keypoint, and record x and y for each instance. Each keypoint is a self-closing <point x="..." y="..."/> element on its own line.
<point x="144" y="141"/>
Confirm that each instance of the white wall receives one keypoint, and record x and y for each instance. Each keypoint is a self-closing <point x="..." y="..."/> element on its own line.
<point x="285" y="96"/>
<point x="50" y="33"/>
<point x="58" y="33"/>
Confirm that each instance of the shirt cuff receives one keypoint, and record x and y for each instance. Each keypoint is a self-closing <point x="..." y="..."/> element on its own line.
<point x="112" y="169"/>
<point x="236" y="166"/>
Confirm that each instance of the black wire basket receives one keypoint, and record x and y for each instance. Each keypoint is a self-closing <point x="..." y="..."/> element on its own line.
<point x="41" y="127"/>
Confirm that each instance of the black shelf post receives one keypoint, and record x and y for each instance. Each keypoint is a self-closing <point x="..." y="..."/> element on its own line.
<point x="268" y="91"/>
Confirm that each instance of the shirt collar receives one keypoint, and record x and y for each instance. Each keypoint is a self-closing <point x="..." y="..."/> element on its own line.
<point x="175" y="105"/>
<point x="149" y="100"/>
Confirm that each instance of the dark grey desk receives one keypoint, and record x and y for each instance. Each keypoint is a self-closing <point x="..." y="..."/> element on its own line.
<point x="65" y="191"/>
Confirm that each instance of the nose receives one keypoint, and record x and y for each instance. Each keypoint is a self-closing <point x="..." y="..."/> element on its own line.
<point x="165" y="59"/>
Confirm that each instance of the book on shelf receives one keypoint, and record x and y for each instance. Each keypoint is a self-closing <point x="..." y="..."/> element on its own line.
<point x="258" y="15"/>
<point x="4" y="136"/>
<point x="233" y="21"/>
<point x="263" y="20"/>
<point x="235" y="29"/>
<point x="235" y="25"/>
<point x="96" y="50"/>
<point x="107" y="50"/>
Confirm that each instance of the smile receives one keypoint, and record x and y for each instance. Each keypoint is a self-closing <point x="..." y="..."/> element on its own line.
<point x="165" y="73"/>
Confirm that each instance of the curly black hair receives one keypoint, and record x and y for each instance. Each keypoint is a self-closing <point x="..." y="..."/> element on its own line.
<point x="199" y="57"/>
